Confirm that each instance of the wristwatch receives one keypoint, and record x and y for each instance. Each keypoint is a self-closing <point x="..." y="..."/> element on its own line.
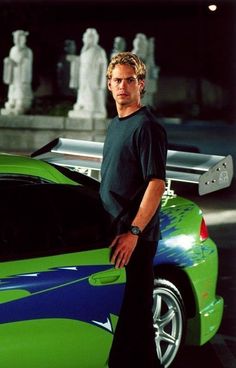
<point x="135" y="230"/>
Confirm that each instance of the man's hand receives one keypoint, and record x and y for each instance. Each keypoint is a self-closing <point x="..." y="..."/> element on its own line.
<point x="124" y="246"/>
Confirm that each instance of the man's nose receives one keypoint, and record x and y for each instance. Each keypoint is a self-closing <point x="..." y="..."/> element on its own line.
<point x="123" y="82"/>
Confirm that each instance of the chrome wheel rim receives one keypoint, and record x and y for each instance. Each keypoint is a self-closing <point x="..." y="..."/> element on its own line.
<point x="168" y="324"/>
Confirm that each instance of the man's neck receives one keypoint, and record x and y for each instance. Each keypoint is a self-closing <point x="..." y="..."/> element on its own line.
<point x="124" y="111"/>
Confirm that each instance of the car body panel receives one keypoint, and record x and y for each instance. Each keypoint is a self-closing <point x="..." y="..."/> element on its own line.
<point x="53" y="343"/>
<point x="181" y="247"/>
<point x="209" y="306"/>
<point x="61" y="309"/>
<point x="48" y="304"/>
<point x="22" y="165"/>
<point x="180" y="221"/>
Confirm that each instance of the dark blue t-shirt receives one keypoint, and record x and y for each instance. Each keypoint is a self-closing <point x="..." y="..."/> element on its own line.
<point x="134" y="152"/>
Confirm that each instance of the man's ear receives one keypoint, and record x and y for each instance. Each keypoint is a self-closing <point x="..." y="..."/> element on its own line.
<point x="109" y="84"/>
<point x="142" y="85"/>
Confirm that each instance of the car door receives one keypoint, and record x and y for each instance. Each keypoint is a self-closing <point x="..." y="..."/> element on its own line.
<point x="60" y="296"/>
<point x="59" y="311"/>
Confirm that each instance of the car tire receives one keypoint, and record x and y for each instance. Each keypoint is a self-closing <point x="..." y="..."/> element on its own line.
<point x="169" y="320"/>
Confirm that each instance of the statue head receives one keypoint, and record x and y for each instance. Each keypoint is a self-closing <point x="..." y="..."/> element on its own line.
<point x="70" y="47"/>
<point x="90" y="37"/>
<point x="119" y="44"/>
<point x="140" y="45"/>
<point x="19" y="38"/>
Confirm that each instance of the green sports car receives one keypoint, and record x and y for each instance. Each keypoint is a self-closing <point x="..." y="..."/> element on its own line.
<point x="60" y="296"/>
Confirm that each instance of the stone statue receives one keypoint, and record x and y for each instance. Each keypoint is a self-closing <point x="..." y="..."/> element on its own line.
<point x="88" y="75"/>
<point x="145" y="48"/>
<point x="119" y="45"/>
<point x="63" y="69"/>
<point x="140" y="46"/>
<point x="17" y="73"/>
<point x="152" y="75"/>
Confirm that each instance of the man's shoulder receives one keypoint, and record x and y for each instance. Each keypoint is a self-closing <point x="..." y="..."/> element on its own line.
<point x="150" y="120"/>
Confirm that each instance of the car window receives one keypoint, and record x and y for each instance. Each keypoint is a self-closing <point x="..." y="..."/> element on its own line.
<point x="7" y="180"/>
<point x="78" y="177"/>
<point x="43" y="219"/>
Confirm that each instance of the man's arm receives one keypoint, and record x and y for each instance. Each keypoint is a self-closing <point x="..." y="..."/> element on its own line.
<point x="125" y="244"/>
<point x="149" y="204"/>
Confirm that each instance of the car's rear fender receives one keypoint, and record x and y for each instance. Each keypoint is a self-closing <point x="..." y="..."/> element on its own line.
<point x="181" y="280"/>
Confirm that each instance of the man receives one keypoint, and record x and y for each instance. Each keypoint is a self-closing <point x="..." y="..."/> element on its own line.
<point x="132" y="185"/>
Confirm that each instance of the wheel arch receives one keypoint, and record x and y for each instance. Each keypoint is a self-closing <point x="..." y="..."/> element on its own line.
<point x="180" y="279"/>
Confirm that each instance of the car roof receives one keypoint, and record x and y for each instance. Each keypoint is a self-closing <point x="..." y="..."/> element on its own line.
<point x="23" y="165"/>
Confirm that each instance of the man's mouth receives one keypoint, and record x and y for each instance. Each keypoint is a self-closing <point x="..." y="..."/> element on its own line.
<point x="123" y="94"/>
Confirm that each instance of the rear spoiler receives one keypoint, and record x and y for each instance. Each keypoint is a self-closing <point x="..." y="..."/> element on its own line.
<point x="210" y="172"/>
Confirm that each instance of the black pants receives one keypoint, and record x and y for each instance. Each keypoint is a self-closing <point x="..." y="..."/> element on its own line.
<point x="133" y="343"/>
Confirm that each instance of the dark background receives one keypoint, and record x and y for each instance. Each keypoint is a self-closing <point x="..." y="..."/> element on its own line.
<point x="191" y="41"/>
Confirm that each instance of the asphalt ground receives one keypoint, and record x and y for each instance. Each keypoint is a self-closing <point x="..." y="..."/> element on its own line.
<point x="219" y="210"/>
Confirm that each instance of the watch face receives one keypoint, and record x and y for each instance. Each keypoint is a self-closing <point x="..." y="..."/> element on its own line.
<point x="135" y="230"/>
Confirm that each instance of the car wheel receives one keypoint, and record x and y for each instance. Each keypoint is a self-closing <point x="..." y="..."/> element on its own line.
<point x="169" y="320"/>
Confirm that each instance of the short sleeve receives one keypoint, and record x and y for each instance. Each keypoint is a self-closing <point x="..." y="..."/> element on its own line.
<point x="153" y="151"/>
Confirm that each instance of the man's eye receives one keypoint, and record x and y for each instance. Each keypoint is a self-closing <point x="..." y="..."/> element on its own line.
<point x="117" y="80"/>
<point x="130" y="80"/>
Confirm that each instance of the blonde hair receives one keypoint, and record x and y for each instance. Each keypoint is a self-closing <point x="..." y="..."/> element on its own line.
<point x="127" y="58"/>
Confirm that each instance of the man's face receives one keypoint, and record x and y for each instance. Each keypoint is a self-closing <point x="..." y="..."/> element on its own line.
<point x="124" y="85"/>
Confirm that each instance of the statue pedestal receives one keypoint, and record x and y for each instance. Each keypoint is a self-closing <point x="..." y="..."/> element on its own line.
<point x="10" y="112"/>
<point x="85" y="114"/>
<point x="14" y="111"/>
